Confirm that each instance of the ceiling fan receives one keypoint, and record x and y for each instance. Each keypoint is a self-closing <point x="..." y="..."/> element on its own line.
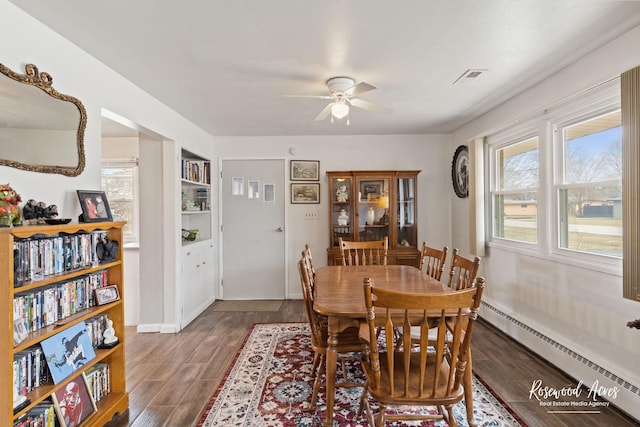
<point x="342" y="93"/>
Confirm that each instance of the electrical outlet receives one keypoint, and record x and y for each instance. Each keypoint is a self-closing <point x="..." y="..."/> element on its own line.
<point x="311" y="215"/>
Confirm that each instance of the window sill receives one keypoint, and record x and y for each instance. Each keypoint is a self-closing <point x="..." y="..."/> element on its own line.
<point x="607" y="265"/>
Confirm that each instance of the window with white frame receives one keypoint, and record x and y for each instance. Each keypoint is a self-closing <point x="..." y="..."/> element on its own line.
<point x="515" y="192"/>
<point x="589" y="184"/>
<point x="556" y="179"/>
<point x="120" y="183"/>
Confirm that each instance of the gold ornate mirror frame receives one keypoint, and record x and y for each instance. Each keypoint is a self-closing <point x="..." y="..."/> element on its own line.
<point x="33" y="127"/>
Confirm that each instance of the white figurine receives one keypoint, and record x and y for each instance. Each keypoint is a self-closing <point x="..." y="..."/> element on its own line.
<point x="343" y="218"/>
<point x="109" y="334"/>
<point x="341" y="194"/>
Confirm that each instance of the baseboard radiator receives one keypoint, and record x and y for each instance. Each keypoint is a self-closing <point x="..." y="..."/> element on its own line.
<point x="549" y="341"/>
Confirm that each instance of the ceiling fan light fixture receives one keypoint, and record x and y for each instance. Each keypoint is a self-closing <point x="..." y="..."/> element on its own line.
<point x="339" y="109"/>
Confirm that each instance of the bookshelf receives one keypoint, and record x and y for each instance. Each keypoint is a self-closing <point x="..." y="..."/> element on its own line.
<point x="195" y="203"/>
<point x="57" y="272"/>
<point x="197" y="271"/>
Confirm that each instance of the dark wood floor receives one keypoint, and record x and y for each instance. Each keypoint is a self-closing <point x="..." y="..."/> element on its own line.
<point x="170" y="377"/>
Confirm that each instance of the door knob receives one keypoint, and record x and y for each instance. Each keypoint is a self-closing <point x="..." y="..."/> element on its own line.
<point x="279" y="229"/>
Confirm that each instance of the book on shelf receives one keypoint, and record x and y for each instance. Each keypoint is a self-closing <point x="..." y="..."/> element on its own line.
<point x="37" y="257"/>
<point x="30" y="370"/>
<point x="99" y="380"/>
<point x="196" y="171"/>
<point x="36" y="309"/>
<point x="42" y="414"/>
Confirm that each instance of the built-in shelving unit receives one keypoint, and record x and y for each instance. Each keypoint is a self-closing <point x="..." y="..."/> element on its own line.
<point x="195" y="203"/>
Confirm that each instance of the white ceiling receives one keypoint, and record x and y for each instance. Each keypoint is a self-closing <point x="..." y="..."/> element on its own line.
<point x="225" y="65"/>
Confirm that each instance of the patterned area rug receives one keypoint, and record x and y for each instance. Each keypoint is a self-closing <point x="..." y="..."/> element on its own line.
<point x="270" y="384"/>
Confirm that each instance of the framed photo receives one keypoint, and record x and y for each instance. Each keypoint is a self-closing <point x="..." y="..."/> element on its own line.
<point x="460" y="172"/>
<point x="107" y="294"/>
<point x="305" y="170"/>
<point x="305" y="193"/>
<point x="95" y="207"/>
<point x="371" y="190"/>
<point x="73" y="402"/>
<point x="68" y="351"/>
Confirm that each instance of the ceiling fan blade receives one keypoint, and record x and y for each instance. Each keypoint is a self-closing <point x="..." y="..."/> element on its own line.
<point x="360" y="88"/>
<point x="370" y="106"/>
<point x="308" y="96"/>
<point x="324" y="113"/>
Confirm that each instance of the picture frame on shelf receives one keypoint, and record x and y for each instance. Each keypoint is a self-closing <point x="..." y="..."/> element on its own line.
<point x="305" y="193"/>
<point x="74" y="403"/>
<point x="107" y="294"/>
<point x="305" y="170"/>
<point x="95" y="206"/>
<point x="371" y="190"/>
<point x="67" y="351"/>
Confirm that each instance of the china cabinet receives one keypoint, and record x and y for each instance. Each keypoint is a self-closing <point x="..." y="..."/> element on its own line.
<point x="369" y="205"/>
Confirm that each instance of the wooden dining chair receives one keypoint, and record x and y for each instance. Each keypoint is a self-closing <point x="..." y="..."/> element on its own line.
<point x="372" y="252"/>
<point x="348" y="340"/>
<point x="429" y="374"/>
<point x="463" y="271"/>
<point x="311" y="270"/>
<point x="432" y="260"/>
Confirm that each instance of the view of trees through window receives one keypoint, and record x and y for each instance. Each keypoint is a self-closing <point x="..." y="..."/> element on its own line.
<point x="584" y="196"/>
<point x="516" y="198"/>
<point x="590" y="195"/>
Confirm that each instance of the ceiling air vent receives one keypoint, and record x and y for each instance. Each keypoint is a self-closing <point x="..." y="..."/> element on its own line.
<point x="470" y="76"/>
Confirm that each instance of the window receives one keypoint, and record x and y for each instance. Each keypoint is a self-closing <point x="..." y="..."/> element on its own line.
<point x="590" y="185"/>
<point x="556" y="179"/>
<point x="120" y="182"/>
<point x="515" y="196"/>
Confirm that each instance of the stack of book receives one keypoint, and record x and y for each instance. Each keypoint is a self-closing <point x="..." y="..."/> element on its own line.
<point x="36" y="258"/>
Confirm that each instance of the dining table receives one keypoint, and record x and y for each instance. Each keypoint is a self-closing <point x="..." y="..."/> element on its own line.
<point x="339" y="295"/>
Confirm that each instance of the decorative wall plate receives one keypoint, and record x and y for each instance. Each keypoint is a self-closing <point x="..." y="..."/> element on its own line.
<point x="460" y="171"/>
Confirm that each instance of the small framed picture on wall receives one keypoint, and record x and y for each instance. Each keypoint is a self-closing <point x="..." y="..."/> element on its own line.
<point x="305" y="170"/>
<point x="305" y="193"/>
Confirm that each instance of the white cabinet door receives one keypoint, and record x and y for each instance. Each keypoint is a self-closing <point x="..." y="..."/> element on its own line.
<point x="197" y="279"/>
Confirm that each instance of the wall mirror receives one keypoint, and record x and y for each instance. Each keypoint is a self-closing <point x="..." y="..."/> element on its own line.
<point x="41" y="130"/>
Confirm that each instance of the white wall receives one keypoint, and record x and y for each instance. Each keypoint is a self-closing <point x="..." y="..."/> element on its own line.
<point x="428" y="153"/>
<point x="96" y="86"/>
<point x="538" y="299"/>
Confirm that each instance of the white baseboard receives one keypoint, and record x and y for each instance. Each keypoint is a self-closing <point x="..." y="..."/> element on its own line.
<point x="163" y="328"/>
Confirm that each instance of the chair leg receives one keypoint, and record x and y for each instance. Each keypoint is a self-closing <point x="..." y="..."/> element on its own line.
<point x="467" y="383"/>
<point x="317" y="382"/>
<point x="314" y="367"/>
<point x="451" y="420"/>
<point x="380" y="419"/>
<point x="344" y="370"/>
<point x="363" y="400"/>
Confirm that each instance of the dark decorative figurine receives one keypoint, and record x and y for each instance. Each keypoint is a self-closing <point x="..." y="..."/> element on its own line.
<point x="107" y="250"/>
<point x="36" y="212"/>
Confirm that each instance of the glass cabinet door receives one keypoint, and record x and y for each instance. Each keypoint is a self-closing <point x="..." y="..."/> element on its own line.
<point x="406" y="234"/>
<point x="341" y="214"/>
<point x="373" y="208"/>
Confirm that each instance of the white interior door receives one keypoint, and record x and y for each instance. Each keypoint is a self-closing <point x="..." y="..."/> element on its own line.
<point x="253" y="237"/>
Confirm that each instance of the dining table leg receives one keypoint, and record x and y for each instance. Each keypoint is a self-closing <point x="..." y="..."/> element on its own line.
<point x="331" y="362"/>
<point x="468" y="392"/>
